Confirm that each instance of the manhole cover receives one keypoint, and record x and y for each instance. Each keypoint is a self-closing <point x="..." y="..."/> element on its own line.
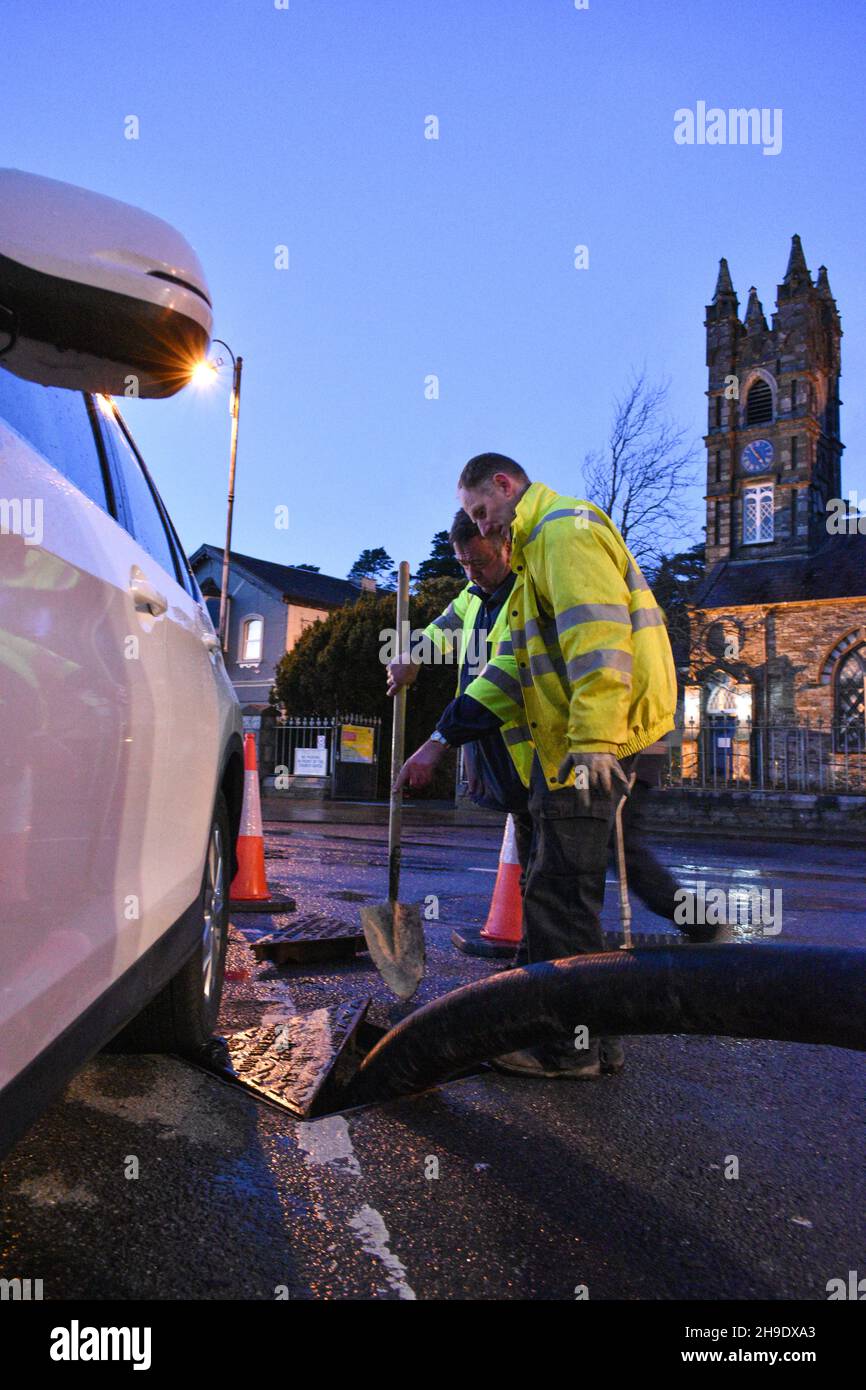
<point x="301" y="1063"/>
<point x="311" y="937"/>
<point x="615" y="940"/>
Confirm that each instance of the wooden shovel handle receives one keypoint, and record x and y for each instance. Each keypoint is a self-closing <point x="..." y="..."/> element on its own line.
<point x="398" y="739"/>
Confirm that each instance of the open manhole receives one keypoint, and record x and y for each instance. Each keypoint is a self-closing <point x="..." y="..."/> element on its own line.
<point x="301" y="1063"/>
<point x="310" y="938"/>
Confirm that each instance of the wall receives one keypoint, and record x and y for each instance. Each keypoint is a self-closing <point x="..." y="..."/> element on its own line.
<point x="789" y="643"/>
<point x="295" y="622"/>
<point x="252" y="682"/>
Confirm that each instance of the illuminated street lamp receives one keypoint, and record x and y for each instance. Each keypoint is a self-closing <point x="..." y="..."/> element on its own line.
<point x="205" y="372"/>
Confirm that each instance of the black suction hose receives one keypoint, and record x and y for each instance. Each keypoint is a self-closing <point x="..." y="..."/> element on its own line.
<point x="811" y="994"/>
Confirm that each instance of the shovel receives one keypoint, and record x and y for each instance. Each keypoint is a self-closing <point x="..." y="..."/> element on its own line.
<point x="394" y="930"/>
<point x="624" y="901"/>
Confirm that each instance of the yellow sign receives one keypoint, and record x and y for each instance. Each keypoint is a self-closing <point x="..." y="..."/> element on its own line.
<point x="356" y="743"/>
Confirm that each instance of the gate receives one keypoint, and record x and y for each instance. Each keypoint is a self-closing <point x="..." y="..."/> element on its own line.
<point x="333" y="755"/>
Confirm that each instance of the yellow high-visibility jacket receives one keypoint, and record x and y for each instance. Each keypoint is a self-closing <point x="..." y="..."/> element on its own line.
<point x="456" y="625"/>
<point x="589" y="666"/>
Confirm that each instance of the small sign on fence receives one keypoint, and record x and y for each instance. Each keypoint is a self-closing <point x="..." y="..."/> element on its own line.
<point x="311" y="762"/>
<point x="356" y="743"/>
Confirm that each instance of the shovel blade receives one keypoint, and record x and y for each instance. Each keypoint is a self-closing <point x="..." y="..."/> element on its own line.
<point x="395" y="938"/>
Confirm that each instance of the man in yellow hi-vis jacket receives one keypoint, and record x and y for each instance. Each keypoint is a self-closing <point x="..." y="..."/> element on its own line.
<point x="473" y="626"/>
<point x="587" y="679"/>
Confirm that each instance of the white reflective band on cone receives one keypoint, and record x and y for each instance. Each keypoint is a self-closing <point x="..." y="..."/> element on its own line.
<point x="508" y="853"/>
<point x="251" y="815"/>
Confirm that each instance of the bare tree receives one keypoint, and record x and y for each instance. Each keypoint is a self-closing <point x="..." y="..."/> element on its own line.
<point x="640" y="478"/>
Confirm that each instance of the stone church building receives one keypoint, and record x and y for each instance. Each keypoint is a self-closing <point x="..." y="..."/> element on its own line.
<point x="778" y="626"/>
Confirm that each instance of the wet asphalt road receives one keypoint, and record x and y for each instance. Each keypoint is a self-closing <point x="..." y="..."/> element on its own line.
<point x="488" y="1188"/>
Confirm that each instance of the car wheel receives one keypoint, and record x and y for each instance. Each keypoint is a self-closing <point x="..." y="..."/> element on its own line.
<point x="183" y="1015"/>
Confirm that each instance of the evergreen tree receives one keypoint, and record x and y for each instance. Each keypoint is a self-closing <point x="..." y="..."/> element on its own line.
<point x="372" y="564"/>
<point x="441" y="562"/>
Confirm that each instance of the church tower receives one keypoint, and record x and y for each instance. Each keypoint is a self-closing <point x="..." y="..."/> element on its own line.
<point x="773" y="446"/>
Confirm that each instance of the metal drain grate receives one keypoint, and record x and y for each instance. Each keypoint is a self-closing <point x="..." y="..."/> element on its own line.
<point x="299" y="1064"/>
<point x="310" y="938"/>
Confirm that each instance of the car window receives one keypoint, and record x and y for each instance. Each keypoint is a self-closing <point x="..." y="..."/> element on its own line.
<point x="140" y="513"/>
<point x="57" y="424"/>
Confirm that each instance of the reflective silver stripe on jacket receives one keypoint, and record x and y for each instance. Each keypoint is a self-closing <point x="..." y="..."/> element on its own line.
<point x="594" y="661"/>
<point x="542" y="664"/>
<point x="582" y="512"/>
<point x="448" y="621"/>
<point x="519" y="735"/>
<point x="592" y="613"/>
<point x="647" y="617"/>
<point x="501" y="679"/>
<point x="635" y="579"/>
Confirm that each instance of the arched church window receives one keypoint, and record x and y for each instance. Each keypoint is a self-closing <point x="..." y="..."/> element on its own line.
<point x="758" y="514"/>
<point x="849" y="702"/>
<point x="759" y="403"/>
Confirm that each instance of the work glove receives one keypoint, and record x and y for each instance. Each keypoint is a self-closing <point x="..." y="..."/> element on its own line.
<point x="603" y="773"/>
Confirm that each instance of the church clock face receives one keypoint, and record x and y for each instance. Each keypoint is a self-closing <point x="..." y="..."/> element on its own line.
<point x="757" y="457"/>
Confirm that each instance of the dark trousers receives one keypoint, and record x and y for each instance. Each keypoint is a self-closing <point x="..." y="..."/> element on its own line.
<point x="564" y="850"/>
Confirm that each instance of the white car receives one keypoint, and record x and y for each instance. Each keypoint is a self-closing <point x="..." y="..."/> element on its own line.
<point x="121" y="760"/>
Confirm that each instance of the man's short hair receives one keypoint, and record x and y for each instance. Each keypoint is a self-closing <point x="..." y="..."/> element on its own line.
<point x="481" y="469"/>
<point x="463" y="529"/>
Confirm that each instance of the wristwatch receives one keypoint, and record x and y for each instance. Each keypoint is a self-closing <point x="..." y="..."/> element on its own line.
<point x="436" y="737"/>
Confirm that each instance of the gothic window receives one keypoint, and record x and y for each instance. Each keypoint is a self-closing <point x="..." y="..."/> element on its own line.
<point x="849" y="715"/>
<point x="252" y="639"/>
<point x="759" y="403"/>
<point x="758" y="514"/>
<point x="718" y="411"/>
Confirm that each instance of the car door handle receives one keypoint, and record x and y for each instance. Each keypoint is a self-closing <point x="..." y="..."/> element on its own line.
<point x="211" y="641"/>
<point x="145" y="597"/>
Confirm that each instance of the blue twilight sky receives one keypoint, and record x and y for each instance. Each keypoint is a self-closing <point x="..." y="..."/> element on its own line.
<point x="304" y="126"/>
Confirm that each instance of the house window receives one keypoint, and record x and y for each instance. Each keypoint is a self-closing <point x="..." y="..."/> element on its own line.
<point x="849" y="705"/>
<point x="253" y="639"/>
<point x="794" y="451"/>
<point x="759" y="403"/>
<point x="758" y="514"/>
<point x="793" y="396"/>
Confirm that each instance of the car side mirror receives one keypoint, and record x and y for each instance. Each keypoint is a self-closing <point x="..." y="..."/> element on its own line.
<point x="96" y="295"/>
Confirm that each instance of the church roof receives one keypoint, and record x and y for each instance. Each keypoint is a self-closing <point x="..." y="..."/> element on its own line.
<point x="836" y="570"/>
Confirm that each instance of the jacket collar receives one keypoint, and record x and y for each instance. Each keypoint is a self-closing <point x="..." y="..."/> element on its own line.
<point x="536" y="501"/>
<point x="498" y="595"/>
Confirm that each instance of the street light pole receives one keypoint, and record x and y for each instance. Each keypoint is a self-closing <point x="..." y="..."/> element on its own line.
<point x="237" y="365"/>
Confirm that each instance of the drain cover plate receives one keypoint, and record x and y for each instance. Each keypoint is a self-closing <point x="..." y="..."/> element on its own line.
<point x="312" y="937"/>
<point x="299" y="1062"/>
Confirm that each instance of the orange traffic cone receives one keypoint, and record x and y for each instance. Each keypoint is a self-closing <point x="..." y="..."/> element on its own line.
<point x="503" y="930"/>
<point x="249" y="890"/>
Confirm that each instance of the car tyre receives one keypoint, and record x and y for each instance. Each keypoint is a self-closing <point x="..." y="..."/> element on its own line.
<point x="183" y="1016"/>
